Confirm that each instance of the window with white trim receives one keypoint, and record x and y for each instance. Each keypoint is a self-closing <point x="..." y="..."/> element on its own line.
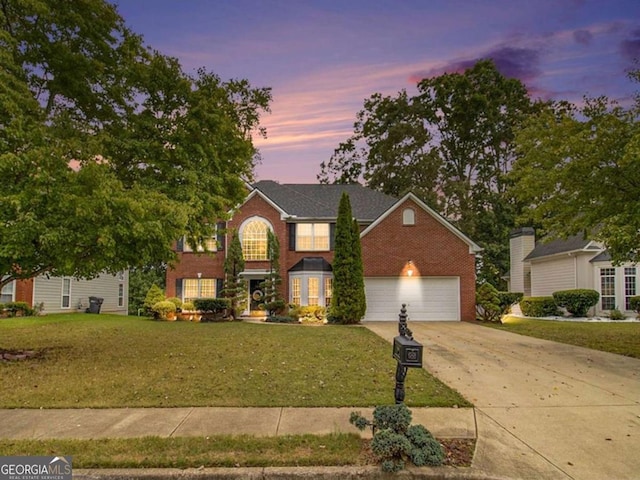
<point x="8" y="291"/>
<point x="408" y="216"/>
<point x="193" y="288"/>
<point x="312" y="237"/>
<point x="295" y="291"/>
<point x="630" y="286"/>
<point x="121" y="294"/>
<point x="328" y="290"/>
<point x="310" y="288"/>
<point x="66" y="293"/>
<point x="608" y="288"/>
<point x="313" y="290"/>
<point x="253" y="236"/>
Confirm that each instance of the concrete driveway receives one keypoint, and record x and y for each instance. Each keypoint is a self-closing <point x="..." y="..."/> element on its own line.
<point x="544" y="410"/>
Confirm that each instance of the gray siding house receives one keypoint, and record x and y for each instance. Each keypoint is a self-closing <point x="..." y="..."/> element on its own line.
<point x="541" y="268"/>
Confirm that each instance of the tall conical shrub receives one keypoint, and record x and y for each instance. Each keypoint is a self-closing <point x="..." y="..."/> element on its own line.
<point x="346" y="304"/>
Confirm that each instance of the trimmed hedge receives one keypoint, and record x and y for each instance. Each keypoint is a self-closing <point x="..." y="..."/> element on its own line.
<point x="508" y="299"/>
<point x="18" y="309"/>
<point x="577" y="301"/>
<point x="538" y="306"/>
<point x="212" y="305"/>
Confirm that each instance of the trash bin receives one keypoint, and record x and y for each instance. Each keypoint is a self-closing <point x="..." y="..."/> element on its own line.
<point x="94" y="304"/>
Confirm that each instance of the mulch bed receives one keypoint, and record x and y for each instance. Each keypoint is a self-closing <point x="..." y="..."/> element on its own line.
<point x="458" y="452"/>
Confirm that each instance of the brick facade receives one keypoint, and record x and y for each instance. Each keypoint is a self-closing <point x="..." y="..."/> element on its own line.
<point x="386" y="248"/>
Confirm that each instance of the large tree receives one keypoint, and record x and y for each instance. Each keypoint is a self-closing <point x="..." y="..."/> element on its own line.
<point x="579" y="173"/>
<point x="108" y="150"/>
<point x="452" y="144"/>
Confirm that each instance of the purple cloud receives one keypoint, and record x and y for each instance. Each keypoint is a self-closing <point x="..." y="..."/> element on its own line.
<point x="512" y="62"/>
<point x="630" y="48"/>
<point x="583" y="37"/>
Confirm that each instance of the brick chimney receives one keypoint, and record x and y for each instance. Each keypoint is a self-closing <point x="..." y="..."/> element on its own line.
<point x="521" y="243"/>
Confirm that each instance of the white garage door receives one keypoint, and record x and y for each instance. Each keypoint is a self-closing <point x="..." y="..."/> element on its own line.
<point x="427" y="298"/>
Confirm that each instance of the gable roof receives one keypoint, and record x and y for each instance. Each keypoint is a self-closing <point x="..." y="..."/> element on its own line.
<point x="473" y="247"/>
<point x="316" y="201"/>
<point x="576" y="243"/>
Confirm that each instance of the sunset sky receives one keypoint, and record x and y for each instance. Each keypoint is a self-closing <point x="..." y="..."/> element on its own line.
<point x="323" y="58"/>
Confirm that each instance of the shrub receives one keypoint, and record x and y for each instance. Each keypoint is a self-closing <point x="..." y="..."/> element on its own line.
<point x="188" y="306"/>
<point x="508" y="299"/>
<point x="212" y="305"/>
<point x="213" y="309"/>
<point x="538" y="306"/>
<point x="154" y="295"/>
<point x="395" y="441"/>
<point x="488" y="303"/>
<point x="634" y="304"/>
<point x="577" y="301"/>
<point x="309" y="314"/>
<point x="18" y="309"/>
<point x="163" y="309"/>
<point x="176" y="301"/>
<point x="616" y="314"/>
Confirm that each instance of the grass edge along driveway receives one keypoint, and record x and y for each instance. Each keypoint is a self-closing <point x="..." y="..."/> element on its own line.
<point x="109" y="361"/>
<point x="622" y="338"/>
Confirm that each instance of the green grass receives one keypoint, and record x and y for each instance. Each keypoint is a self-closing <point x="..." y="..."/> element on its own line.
<point x="620" y="338"/>
<point x="194" y="452"/>
<point x="102" y="361"/>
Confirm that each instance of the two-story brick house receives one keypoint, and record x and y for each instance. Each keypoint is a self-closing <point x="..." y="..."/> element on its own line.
<point x="410" y="254"/>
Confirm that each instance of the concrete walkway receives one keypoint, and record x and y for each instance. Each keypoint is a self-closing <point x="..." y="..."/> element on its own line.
<point x="185" y="422"/>
<point x="544" y="410"/>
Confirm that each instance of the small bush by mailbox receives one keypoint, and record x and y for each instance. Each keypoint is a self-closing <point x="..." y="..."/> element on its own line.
<point x="407" y="351"/>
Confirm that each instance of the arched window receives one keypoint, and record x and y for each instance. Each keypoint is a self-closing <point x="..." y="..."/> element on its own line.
<point x="408" y="216"/>
<point x="254" y="239"/>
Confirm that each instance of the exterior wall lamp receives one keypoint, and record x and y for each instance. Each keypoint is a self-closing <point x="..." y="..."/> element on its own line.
<point x="410" y="269"/>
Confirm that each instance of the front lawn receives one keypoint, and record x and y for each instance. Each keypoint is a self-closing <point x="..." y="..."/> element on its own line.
<point x="620" y="338"/>
<point x="104" y="361"/>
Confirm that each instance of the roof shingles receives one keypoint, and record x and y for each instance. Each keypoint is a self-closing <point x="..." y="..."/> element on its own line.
<point x="322" y="200"/>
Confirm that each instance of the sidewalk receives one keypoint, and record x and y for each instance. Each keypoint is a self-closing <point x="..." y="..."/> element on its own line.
<point x="202" y="421"/>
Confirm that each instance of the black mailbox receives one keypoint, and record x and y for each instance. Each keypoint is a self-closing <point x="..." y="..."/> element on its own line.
<point x="407" y="351"/>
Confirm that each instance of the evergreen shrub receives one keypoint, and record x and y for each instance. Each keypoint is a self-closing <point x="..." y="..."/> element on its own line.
<point x="508" y="299"/>
<point x="539" y="306"/>
<point x="577" y="301"/>
<point x="395" y="441"/>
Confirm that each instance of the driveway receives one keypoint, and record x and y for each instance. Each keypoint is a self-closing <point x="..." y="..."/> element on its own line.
<point x="544" y="410"/>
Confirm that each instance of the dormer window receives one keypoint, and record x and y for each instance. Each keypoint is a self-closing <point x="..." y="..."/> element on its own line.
<point x="408" y="216"/>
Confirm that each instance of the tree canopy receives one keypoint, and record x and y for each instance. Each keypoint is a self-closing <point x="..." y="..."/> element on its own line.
<point x="452" y="144"/>
<point x="579" y="173"/>
<point x="108" y="150"/>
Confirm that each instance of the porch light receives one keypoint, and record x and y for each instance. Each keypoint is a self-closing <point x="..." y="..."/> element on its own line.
<point x="410" y="269"/>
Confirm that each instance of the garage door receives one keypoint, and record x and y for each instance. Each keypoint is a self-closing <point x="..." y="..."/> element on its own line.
<point x="427" y="298"/>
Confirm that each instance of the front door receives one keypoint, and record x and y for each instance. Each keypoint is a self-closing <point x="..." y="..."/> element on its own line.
<point x="255" y="294"/>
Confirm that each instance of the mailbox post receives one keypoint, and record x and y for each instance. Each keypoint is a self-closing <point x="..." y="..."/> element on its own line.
<point x="406" y="351"/>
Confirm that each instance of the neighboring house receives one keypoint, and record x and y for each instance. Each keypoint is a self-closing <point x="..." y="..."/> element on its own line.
<point x="410" y="254"/>
<point x="66" y="294"/>
<point x="539" y="269"/>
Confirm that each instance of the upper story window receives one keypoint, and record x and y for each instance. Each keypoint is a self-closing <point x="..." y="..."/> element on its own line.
<point x="253" y="236"/>
<point x="312" y="237"/>
<point x="408" y="216"/>
<point x="210" y="244"/>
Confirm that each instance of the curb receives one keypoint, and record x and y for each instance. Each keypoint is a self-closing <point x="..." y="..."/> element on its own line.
<point x="283" y="473"/>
